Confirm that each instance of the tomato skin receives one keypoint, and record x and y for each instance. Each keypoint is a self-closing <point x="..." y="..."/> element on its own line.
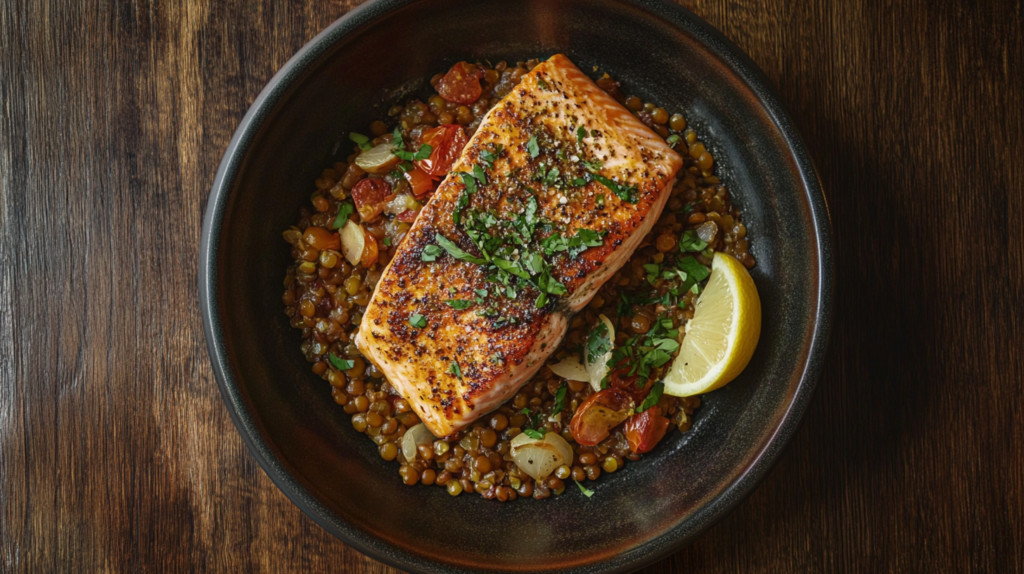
<point x="600" y="413"/>
<point x="461" y="85"/>
<point x="420" y="182"/>
<point x="627" y="384"/>
<point x="370" y="250"/>
<point x="320" y="238"/>
<point x="370" y="196"/>
<point x="408" y="216"/>
<point x="645" y="430"/>
<point x="447" y="142"/>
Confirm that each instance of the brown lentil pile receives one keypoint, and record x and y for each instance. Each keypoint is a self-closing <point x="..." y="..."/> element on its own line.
<point x="325" y="296"/>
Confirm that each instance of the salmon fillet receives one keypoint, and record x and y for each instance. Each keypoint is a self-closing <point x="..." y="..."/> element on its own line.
<point x="547" y="201"/>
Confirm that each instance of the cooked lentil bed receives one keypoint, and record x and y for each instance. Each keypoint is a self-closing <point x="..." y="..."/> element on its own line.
<point x="325" y="297"/>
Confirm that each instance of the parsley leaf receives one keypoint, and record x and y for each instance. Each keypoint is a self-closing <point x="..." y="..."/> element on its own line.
<point x="653" y="272"/>
<point x="534" y="434"/>
<point x="469" y="181"/>
<point x="430" y="253"/>
<point x="455" y="251"/>
<point x="362" y="141"/>
<point x="489" y="157"/>
<point x="653" y="398"/>
<point x="672" y="139"/>
<point x="599" y="200"/>
<point x="580" y="134"/>
<point x="586" y="491"/>
<point x="340" y="364"/>
<point x="344" y="210"/>
<point x="552" y="176"/>
<point x="542" y="300"/>
<point x="691" y="272"/>
<point x="459" y="303"/>
<point x="532" y="147"/>
<point x="511" y="267"/>
<point x="598" y="342"/>
<point x="387" y="241"/>
<point x="461" y="203"/>
<point x="627" y="194"/>
<point x="478" y="173"/>
<point x="559" y="399"/>
<point x="420" y="155"/>
<point x="454" y="369"/>
<point x="690" y="242"/>
<point x="542" y="84"/>
<point x="418" y="321"/>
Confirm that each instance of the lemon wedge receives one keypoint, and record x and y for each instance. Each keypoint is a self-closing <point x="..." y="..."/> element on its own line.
<point x="721" y="337"/>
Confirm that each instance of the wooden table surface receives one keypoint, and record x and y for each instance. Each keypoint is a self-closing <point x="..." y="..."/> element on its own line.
<point x="116" y="454"/>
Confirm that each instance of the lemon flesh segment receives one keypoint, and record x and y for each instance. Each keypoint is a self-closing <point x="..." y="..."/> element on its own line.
<point x="721" y="338"/>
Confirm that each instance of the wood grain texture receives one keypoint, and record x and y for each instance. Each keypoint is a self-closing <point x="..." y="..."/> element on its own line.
<point x="116" y="454"/>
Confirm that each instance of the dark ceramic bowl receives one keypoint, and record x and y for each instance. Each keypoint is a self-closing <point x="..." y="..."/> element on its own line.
<point x="349" y="74"/>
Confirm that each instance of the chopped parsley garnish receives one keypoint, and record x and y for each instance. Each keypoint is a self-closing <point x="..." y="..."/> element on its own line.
<point x="542" y="84"/>
<point x="454" y="369"/>
<point x="580" y="134"/>
<point x="653" y="398"/>
<point x="420" y="154"/>
<point x="575" y="245"/>
<point x="532" y="418"/>
<point x="559" y="399"/>
<point x="593" y="165"/>
<point x="690" y="242"/>
<point x="339" y="363"/>
<point x="534" y="434"/>
<point x="418" y="321"/>
<point x="362" y="141"/>
<point x="579" y="182"/>
<point x="586" y="491"/>
<point x="648" y="352"/>
<point x="653" y="272"/>
<point x="672" y="139"/>
<point x="469" y="181"/>
<point x="551" y="176"/>
<point x="627" y="194"/>
<point x="461" y="203"/>
<point x="691" y="272"/>
<point x="598" y="342"/>
<point x="478" y="173"/>
<point x="387" y="241"/>
<point x="532" y="147"/>
<point x="344" y="210"/>
<point x="599" y="200"/>
<point x="489" y="157"/>
<point x="431" y="253"/>
<point x="455" y="251"/>
<point x="459" y="303"/>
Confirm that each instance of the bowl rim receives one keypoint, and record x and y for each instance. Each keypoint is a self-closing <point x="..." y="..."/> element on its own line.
<point x="651" y="550"/>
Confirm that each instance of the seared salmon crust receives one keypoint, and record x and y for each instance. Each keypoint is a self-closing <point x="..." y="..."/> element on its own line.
<point x="549" y="198"/>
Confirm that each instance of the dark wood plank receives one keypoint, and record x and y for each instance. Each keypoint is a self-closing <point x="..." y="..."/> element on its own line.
<point x="115" y="451"/>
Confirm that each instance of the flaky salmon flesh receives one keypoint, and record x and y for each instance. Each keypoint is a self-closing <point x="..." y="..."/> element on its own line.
<point x="549" y="198"/>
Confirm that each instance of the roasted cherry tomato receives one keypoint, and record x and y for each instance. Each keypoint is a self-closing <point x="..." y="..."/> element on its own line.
<point x="408" y="216"/>
<point x="447" y="142"/>
<point x="646" y="429"/>
<point x="599" y="414"/>
<point x="321" y="239"/>
<point x="461" y="85"/>
<point x="419" y="181"/>
<point x="370" y="250"/>
<point x="620" y="379"/>
<point x="370" y="196"/>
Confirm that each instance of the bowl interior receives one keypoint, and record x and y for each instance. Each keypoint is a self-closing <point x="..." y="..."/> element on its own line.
<point x="348" y="76"/>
